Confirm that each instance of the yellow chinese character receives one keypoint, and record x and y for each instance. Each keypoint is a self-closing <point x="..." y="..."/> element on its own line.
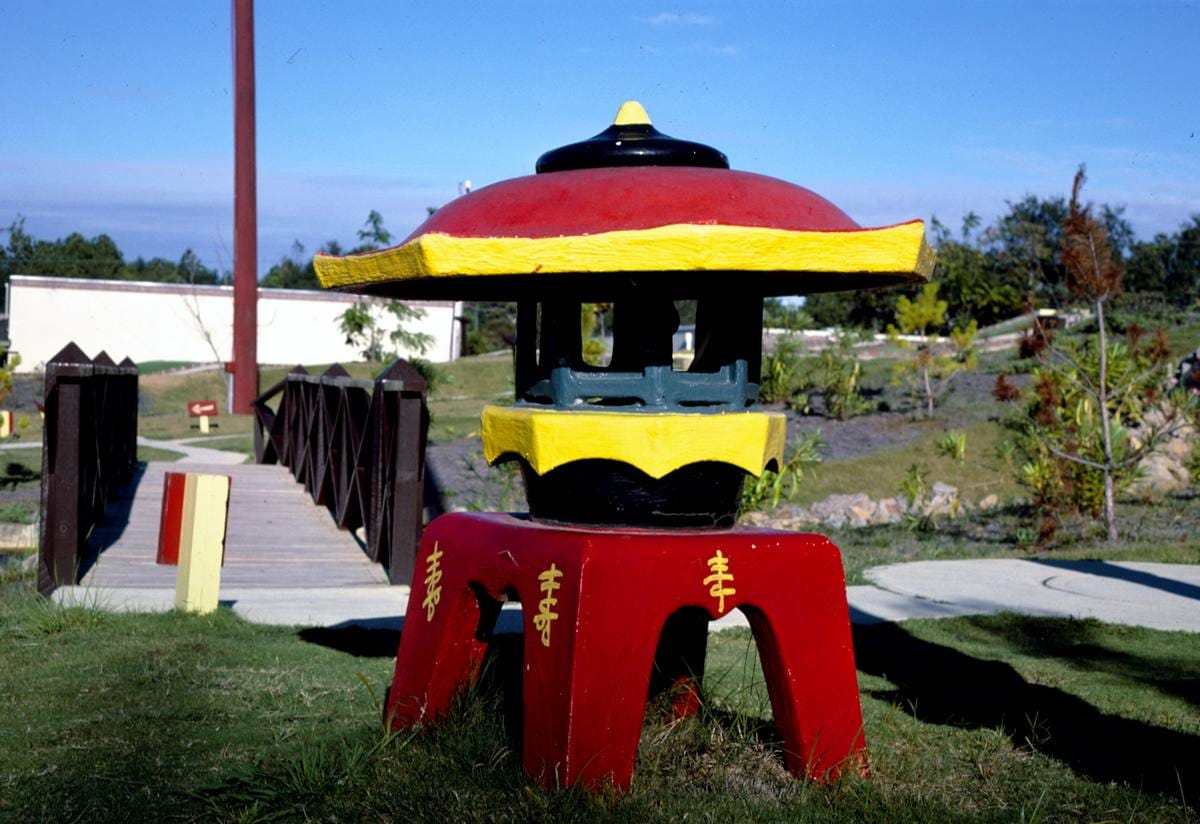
<point x="548" y="583"/>
<point x="719" y="565"/>
<point x="433" y="586"/>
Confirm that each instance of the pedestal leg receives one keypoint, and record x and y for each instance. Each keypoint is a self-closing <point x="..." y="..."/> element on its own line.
<point x="585" y="692"/>
<point x="441" y="647"/>
<point x="807" y="656"/>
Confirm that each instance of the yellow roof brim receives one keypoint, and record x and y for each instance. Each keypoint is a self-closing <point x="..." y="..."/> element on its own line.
<point x="899" y="251"/>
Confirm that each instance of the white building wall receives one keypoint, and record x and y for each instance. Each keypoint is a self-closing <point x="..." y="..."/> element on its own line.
<point x="157" y="321"/>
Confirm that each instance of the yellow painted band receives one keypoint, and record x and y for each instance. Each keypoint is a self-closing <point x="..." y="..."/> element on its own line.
<point x="655" y="443"/>
<point x="899" y="250"/>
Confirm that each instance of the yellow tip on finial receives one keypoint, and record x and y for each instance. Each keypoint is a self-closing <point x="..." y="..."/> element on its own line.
<point x="631" y="113"/>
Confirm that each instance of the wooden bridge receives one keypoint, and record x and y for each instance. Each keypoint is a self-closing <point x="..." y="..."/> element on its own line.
<point x="275" y="535"/>
<point x="286" y="561"/>
<point x="328" y="514"/>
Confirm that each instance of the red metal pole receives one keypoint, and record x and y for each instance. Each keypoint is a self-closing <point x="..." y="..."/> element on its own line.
<point x="245" y="213"/>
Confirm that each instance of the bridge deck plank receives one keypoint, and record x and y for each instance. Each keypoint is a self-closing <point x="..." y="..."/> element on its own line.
<point x="276" y="536"/>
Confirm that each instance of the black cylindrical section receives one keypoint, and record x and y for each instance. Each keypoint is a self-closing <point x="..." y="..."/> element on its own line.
<point x="611" y="493"/>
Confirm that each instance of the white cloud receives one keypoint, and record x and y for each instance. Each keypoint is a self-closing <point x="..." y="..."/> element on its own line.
<point x="667" y="18"/>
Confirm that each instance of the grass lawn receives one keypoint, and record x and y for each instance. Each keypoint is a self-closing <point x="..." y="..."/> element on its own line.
<point x="982" y="472"/>
<point x="154" y="367"/>
<point x="23" y="467"/>
<point x="145" y="454"/>
<point x="455" y="403"/>
<point x="149" y="717"/>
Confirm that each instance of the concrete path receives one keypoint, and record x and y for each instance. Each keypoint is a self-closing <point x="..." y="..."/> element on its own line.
<point x="1160" y="596"/>
<point x="196" y="454"/>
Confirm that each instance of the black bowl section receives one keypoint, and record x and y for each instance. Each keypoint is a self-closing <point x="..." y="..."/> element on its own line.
<point x="611" y="493"/>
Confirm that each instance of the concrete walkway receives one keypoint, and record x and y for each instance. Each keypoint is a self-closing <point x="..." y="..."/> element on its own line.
<point x="195" y="454"/>
<point x="1159" y="596"/>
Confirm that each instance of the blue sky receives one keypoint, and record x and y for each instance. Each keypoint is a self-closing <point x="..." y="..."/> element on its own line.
<point x="118" y="115"/>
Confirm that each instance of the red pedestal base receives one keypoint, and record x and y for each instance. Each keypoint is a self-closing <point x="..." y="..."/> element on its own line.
<point x="595" y="605"/>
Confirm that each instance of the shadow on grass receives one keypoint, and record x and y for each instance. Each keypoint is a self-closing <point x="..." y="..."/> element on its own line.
<point x="16" y="474"/>
<point x="1075" y="643"/>
<point x="940" y="685"/>
<point x="355" y="639"/>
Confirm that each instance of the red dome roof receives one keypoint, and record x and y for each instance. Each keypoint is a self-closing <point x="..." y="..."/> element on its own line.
<point x="591" y="201"/>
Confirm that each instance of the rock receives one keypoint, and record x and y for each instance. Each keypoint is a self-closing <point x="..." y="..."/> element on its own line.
<point x="756" y="519"/>
<point x="888" y="511"/>
<point x="941" y="505"/>
<point x="1154" y="417"/>
<point x="989" y="502"/>
<point x="1178" y="448"/>
<point x="1160" y="474"/>
<point x="860" y="516"/>
<point x="801" y="519"/>
<point x="835" y="510"/>
<point x="941" y="489"/>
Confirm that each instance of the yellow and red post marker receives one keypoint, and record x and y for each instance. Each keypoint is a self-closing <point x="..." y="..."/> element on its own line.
<point x="195" y="512"/>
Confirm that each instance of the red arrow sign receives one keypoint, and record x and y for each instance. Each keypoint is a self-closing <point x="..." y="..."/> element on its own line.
<point x="198" y="408"/>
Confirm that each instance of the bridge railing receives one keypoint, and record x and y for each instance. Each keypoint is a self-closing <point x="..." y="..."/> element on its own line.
<point x="89" y="449"/>
<point x="358" y="446"/>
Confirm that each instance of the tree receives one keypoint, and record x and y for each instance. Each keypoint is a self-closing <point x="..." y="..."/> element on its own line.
<point x="191" y="270"/>
<point x="291" y="273"/>
<point x="492" y="326"/>
<point x="1025" y="244"/>
<point x="373" y="235"/>
<point x="363" y="327"/>
<point x="362" y="322"/>
<point x="863" y="308"/>
<point x="1168" y="264"/>
<point x="932" y="366"/>
<point x="973" y="287"/>
<point x="76" y="256"/>
<point x="780" y="315"/>
<point x="1085" y="393"/>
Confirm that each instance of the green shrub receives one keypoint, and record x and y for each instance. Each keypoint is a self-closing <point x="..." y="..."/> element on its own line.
<point x="768" y="489"/>
<point x="915" y="485"/>
<point x="779" y="370"/>
<point x="953" y="445"/>
<point x="835" y="376"/>
<point x="433" y="374"/>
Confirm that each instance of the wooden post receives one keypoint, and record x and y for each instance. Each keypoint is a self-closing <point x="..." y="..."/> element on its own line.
<point x="89" y="447"/>
<point x="245" y="214"/>
<point x="62" y="485"/>
<point x="201" y="544"/>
